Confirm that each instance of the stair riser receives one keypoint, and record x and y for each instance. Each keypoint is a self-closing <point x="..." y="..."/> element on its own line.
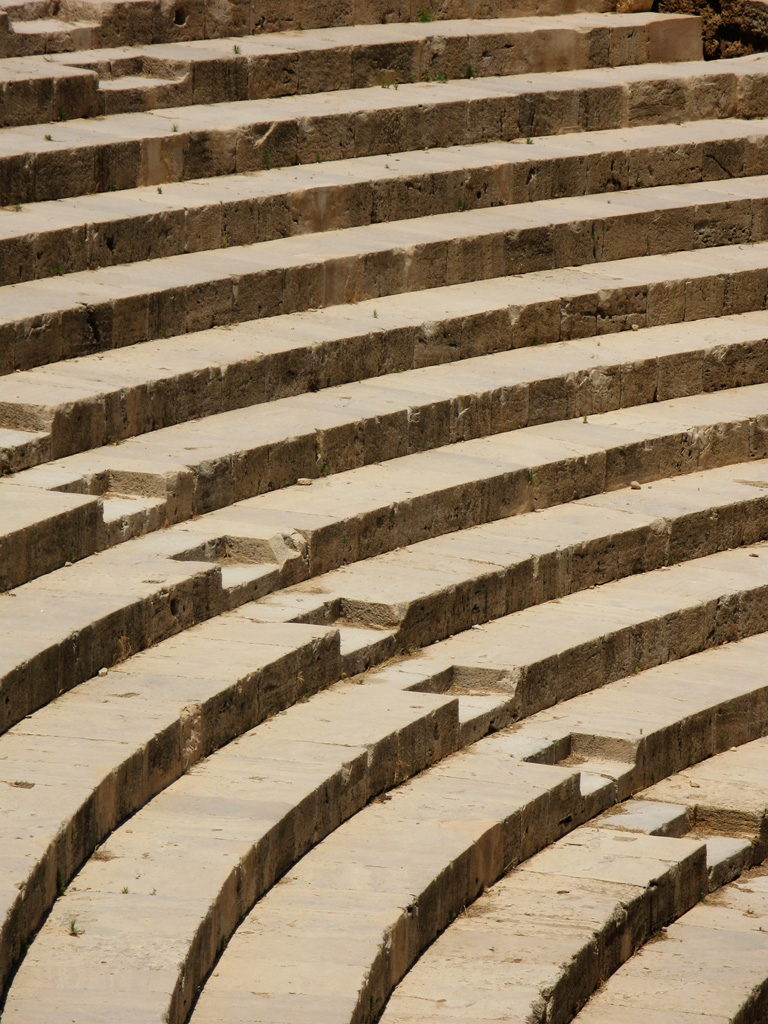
<point x="262" y="218"/>
<point x="424" y="120"/>
<point x="237" y="293"/>
<point x="563" y="572"/>
<point x="88" y="424"/>
<point x="233" y="77"/>
<point x="37" y="100"/>
<point x="465" y="505"/>
<point x="155" y="22"/>
<point x="137" y="624"/>
<point x="43" y="547"/>
<point x="170" y="755"/>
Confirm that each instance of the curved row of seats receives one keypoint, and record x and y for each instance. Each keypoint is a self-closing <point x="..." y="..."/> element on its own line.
<point x="383" y="512"/>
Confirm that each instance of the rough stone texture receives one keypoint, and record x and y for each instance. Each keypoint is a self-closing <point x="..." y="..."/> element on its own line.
<point x="383" y="513"/>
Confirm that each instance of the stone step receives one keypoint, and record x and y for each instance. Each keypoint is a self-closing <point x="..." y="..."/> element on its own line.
<point x="563" y="650"/>
<point x="180" y="701"/>
<point x="674" y="865"/>
<point x="52" y="35"/>
<point x="384" y="861"/>
<point x="292" y="542"/>
<point x="722" y="799"/>
<point x="94" y="400"/>
<point x="151" y="148"/>
<point x="153" y="854"/>
<point x="424" y="592"/>
<point x="709" y="966"/>
<point x="360" y="506"/>
<point x="48" y="320"/>
<point x="34" y="90"/>
<point x="359" y="56"/>
<point x="41" y="530"/>
<point x="125" y="227"/>
<point x="25" y="10"/>
<point x="22" y="449"/>
<point x="63" y="628"/>
<point x="545" y="936"/>
<point x="96" y="755"/>
<point x="725" y="795"/>
<point x="121" y="22"/>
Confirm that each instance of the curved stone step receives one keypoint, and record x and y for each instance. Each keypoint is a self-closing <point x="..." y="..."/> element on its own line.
<point x="551" y="933"/>
<point x="724" y="937"/>
<point x="91" y="758"/>
<point x="153" y="716"/>
<point x="371" y="506"/>
<point x="210" y="910"/>
<point x="278" y="64"/>
<point x="518" y="665"/>
<point x="128" y="150"/>
<point x="93" y="400"/>
<point x="88" y="232"/>
<point x="427" y="591"/>
<point x="707" y="968"/>
<point x="65" y="627"/>
<point x="41" y="530"/>
<point x="470" y="833"/>
<point x="179" y="701"/>
<point x="544" y="937"/>
<point x="120" y="23"/>
<point x="48" y="320"/>
<point x="304" y="531"/>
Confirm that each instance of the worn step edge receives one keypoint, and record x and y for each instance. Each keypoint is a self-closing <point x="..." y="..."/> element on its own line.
<point x="159" y="816"/>
<point x="50" y="320"/>
<point x="356" y="57"/>
<point x="78" y="234"/>
<point x="128" y="150"/>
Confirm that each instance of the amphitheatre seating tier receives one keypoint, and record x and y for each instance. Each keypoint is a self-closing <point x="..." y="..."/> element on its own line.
<point x="149" y="853"/>
<point x="383" y="513"/>
<point x="90" y="83"/>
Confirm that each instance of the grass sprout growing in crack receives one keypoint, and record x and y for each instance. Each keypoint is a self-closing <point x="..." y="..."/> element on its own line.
<point x="73" y="928"/>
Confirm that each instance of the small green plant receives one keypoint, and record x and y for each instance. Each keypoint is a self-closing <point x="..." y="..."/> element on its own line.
<point x="74" y="833"/>
<point x="460" y="203"/>
<point x="236" y="49"/>
<point x="426" y="16"/>
<point x="60" y="882"/>
<point x="471" y="72"/>
<point x="318" y="158"/>
<point x="530" y="478"/>
<point x="174" y="127"/>
<point x="528" y="140"/>
<point x="375" y="314"/>
<point x="124" y="890"/>
<point x="49" y="138"/>
<point x="385" y="82"/>
<point x="441" y="77"/>
<point x="17" y="207"/>
<point x="584" y="419"/>
<point x="113" y="187"/>
<point x="62" y="114"/>
<point x="59" y="270"/>
<point x="73" y="929"/>
<point x="159" y="190"/>
<point x="267" y="159"/>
